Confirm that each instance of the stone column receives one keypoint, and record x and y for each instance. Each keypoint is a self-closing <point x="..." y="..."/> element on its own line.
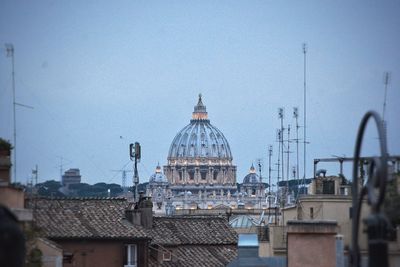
<point x="197" y="175"/>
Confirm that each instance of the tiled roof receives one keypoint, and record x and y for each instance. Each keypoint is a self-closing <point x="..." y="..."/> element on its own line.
<point x="97" y="218"/>
<point x="207" y="256"/>
<point x="192" y="230"/>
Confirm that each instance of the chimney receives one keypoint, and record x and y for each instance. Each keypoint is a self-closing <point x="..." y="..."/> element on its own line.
<point x="142" y="213"/>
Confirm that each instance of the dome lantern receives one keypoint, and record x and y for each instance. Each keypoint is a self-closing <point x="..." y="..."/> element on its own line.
<point x="200" y="112"/>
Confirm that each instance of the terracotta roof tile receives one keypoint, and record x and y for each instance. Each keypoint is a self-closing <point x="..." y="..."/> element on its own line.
<point x="194" y="255"/>
<point x="85" y="218"/>
<point x="181" y="230"/>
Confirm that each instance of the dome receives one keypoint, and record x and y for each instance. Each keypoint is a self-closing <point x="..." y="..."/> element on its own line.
<point x="200" y="138"/>
<point x="158" y="176"/>
<point x="252" y="177"/>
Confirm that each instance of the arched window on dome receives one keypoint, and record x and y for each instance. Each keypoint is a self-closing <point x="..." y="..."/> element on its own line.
<point x="214" y="151"/>
<point x="173" y="151"/>
<point x="182" y="148"/>
<point x="203" y="144"/>
<point x="223" y="152"/>
<point x="192" y="147"/>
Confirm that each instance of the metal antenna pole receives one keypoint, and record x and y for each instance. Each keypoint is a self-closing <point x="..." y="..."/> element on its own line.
<point x="296" y="115"/>
<point x="61" y="167"/>
<point x="260" y="186"/>
<point x="280" y="113"/>
<point x="10" y="53"/>
<point x="279" y="159"/>
<point x="269" y="178"/>
<point x="135" y="155"/>
<point x="305" y="111"/>
<point x="386" y="82"/>
<point x="269" y="168"/>
<point x="281" y="140"/>
<point x="288" y="159"/>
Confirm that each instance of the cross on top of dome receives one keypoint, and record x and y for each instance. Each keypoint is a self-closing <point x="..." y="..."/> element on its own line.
<point x="200" y="112"/>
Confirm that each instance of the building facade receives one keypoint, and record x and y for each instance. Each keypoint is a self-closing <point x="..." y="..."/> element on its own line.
<point x="72" y="176"/>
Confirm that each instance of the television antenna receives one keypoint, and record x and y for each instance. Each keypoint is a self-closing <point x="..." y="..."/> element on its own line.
<point x="10" y="53"/>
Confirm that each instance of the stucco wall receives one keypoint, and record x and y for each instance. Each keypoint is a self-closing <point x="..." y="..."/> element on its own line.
<point x="12" y="197"/>
<point x="100" y="253"/>
<point x="311" y="244"/>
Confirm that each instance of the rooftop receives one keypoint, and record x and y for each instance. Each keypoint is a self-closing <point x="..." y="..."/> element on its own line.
<point x="90" y="218"/>
<point x="192" y="230"/>
<point x="199" y="256"/>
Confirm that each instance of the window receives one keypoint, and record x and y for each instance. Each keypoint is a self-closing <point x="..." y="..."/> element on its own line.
<point x="167" y="256"/>
<point x="311" y="213"/>
<point x="328" y="187"/>
<point x="67" y="257"/>
<point x="215" y="175"/>
<point x="131" y="255"/>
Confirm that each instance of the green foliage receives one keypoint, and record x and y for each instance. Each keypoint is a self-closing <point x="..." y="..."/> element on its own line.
<point x="5" y="145"/>
<point x="392" y="202"/>
<point x="35" y="258"/>
<point x="52" y="189"/>
<point x="49" y="189"/>
<point x="53" y="185"/>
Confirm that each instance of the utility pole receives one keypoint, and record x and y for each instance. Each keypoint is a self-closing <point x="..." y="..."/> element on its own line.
<point x="305" y="110"/>
<point x="135" y="154"/>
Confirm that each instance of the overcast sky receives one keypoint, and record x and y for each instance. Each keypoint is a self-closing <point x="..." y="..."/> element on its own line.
<point x="103" y="74"/>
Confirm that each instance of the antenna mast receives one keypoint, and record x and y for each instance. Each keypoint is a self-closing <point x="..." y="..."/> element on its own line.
<point x="288" y="158"/>
<point x="386" y="81"/>
<point x="135" y="155"/>
<point x="278" y="137"/>
<point x="269" y="177"/>
<point x="260" y="185"/>
<point x="305" y="110"/>
<point x="280" y="113"/>
<point x="10" y="53"/>
<point x="296" y="115"/>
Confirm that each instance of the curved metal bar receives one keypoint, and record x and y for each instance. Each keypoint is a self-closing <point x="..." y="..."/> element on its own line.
<point x="379" y="173"/>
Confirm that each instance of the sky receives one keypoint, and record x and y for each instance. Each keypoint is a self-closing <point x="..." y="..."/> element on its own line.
<point x="101" y="75"/>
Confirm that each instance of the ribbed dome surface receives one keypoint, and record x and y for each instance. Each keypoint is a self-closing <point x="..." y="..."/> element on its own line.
<point x="200" y="138"/>
<point x="252" y="177"/>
